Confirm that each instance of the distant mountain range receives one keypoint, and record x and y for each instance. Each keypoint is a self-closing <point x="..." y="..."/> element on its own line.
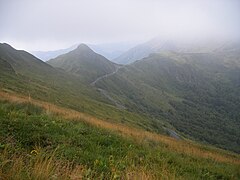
<point x="126" y="53"/>
<point x="108" y="50"/>
<point x="46" y="55"/>
<point x="158" y="45"/>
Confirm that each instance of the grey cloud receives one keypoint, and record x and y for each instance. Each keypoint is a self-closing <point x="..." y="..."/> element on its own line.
<point x="52" y="24"/>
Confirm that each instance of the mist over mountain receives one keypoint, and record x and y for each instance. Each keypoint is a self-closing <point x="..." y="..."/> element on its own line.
<point x="112" y="50"/>
<point x="161" y="44"/>
<point x="47" y="55"/>
<point x="108" y="50"/>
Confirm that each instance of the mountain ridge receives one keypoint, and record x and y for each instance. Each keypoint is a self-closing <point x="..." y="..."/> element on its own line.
<point x="83" y="61"/>
<point x="185" y="88"/>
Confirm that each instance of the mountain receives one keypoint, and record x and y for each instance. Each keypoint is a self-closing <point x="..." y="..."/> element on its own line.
<point x="23" y="62"/>
<point x="20" y="59"/>
<point x="23" y="73"/>
<point x="84" y="62"/>
<point x="197" y="93"/>
<point x="159" y="45"/>
<point x="49" y="116"/>
<point x="108" y="50"/>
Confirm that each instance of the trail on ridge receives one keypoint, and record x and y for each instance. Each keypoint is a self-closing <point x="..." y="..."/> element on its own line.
<point x="104" y="92"/>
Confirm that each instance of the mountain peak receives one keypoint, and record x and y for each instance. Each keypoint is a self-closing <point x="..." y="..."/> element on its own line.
<point x="84" y="47"/>
<point x="85" y="62"/>
<point x="6" y="45"/>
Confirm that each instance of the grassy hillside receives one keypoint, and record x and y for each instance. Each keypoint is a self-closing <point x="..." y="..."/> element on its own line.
<point x="84" y="62"/>
<point x="198" y="93"/>
<point x="58" y="127"/>
<point x="44" y="82"/>
<point x="41" y="140"/>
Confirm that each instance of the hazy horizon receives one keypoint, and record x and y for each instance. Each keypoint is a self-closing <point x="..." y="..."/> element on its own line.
<point x="50" y="25"/>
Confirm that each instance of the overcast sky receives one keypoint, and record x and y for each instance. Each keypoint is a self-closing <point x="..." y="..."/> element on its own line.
<point x="54" y="24"/>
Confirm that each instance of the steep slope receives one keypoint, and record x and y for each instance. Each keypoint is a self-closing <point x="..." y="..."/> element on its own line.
<point x="198" y="93"/>
<point x="84" y="62"/>
<point x="41" y="138"/>
<point x="5" y="67"/>
<point x="25" y="74"/>
<point x="23" y="62"/>
<point x="88" y="147"/>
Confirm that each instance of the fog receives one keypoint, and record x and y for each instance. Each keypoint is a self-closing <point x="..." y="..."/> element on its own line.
<point x="54" y="24"/>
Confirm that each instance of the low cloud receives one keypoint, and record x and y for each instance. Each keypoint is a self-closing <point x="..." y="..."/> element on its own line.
<point x="52" y="24"/>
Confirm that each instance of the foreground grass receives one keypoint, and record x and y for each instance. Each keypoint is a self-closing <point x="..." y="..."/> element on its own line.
<point x="36" y="143"/>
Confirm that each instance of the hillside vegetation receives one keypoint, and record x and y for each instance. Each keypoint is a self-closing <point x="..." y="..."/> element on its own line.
<point x="44" y="82"/>
<point x="84" y="62"/>
<point x="41" y="140"/>
<point x="57" y="124"/>
<point x="197" y="93"/>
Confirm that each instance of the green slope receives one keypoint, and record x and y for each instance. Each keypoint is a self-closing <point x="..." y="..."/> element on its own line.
<point x="23" y="62"/>
<point x="84" y="62"/>
<point x="36" y="144"/>
<point x="198" y="93"/>
<point x="39" y="142"/>
<point x="23" y="73"/>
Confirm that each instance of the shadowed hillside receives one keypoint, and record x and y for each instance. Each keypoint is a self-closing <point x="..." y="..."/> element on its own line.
<point x="198" y="93"/>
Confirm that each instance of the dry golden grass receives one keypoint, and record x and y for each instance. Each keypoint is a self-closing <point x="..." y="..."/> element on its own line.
<point x="141" y="173"/>
<point x="138" y="174"/>
<point x="37" y="166"/>
<point x="140" y="135"/>
<point x="41" y="166"/>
